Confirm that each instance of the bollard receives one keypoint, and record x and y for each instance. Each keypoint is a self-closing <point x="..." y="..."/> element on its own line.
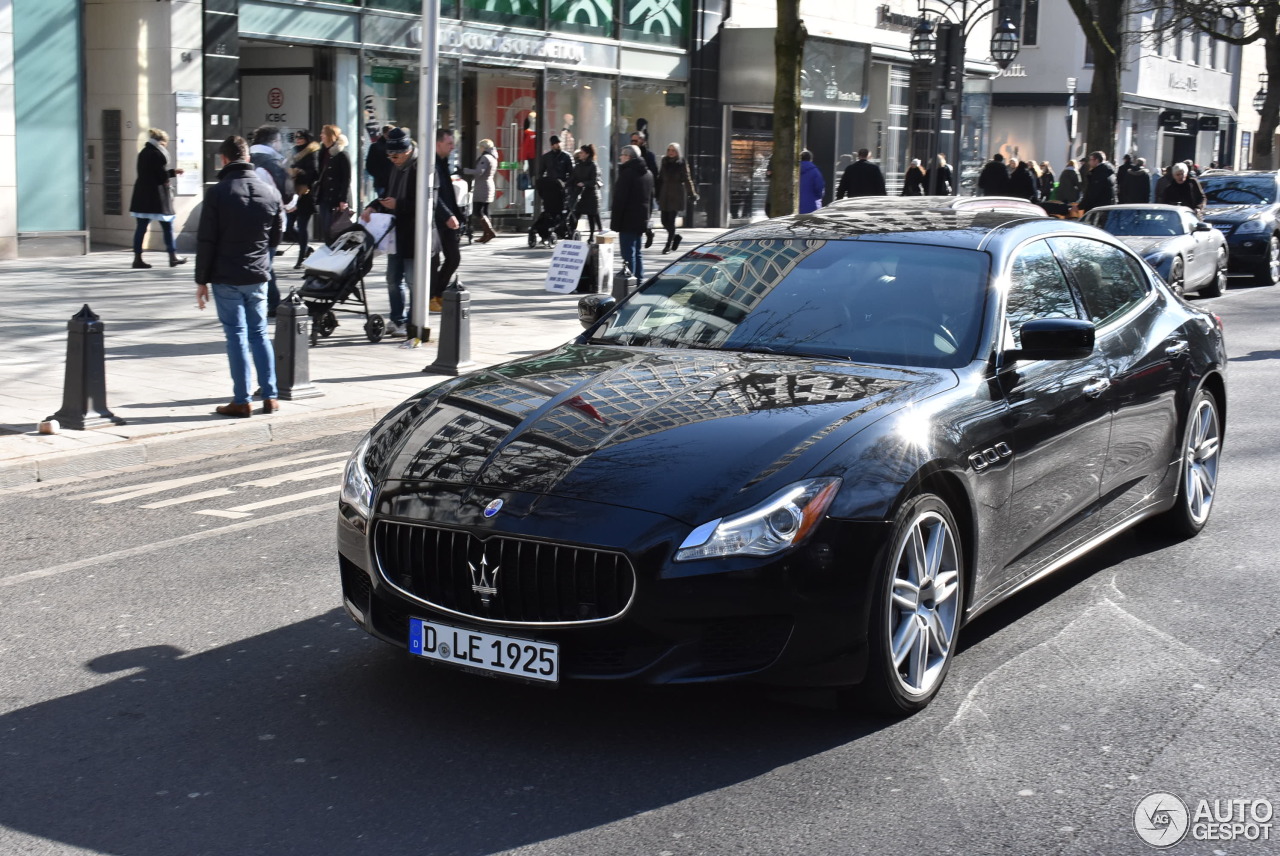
<point x="292" y="346"/>
<point x="604" y="261"/>
<point x="622" y="283"/>
<point x="84" y="392"/>
<point x="453" y="354"/>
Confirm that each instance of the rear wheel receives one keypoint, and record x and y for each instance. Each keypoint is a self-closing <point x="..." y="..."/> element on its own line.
<point x="917" y="607"/>
<point x="375" y="328"/>
<point x="1269" y="273"/>
<point x="326" y="324"/>
<point x="1218" y="284"/>
<point x="1198" y="472"/>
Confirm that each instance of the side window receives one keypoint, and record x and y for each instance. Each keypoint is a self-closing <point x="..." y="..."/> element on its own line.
<point x="1108" y="279"/>
<point x="1037" y="289"/>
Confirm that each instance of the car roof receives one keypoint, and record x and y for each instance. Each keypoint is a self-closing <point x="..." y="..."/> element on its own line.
<point x="967" y="221"/>
<point x="1241" y="173"/>
<point x="1145" y="206"/>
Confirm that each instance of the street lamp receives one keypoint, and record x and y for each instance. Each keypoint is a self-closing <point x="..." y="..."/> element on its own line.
<point x="939" y="39"/>
<point x="1260" y="100"/>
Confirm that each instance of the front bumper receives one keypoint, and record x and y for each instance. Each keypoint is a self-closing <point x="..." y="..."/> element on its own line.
<point x="1247" y="253"/>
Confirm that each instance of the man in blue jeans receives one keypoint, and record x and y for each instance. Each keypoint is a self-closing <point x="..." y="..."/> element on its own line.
<point x="239" y="223"/>
<point x="402" y="201"/>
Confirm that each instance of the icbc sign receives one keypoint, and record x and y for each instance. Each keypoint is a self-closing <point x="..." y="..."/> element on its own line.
<point x="275" y="98"/>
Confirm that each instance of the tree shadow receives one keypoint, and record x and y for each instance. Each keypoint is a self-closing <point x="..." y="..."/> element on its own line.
<point x="316" y="739"/>
<point x="1256" y="357"/>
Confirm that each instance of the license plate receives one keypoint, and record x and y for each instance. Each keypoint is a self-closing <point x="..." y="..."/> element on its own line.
<point x="490" y="652"/>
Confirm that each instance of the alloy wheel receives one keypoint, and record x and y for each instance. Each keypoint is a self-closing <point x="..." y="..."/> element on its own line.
<point x="1200" y="457"/>
<point x="924" y="603"/>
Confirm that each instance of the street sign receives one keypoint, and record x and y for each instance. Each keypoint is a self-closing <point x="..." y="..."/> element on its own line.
<point x="386" y="74"/>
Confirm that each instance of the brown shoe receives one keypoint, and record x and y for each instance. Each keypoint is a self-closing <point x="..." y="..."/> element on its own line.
<point x="240" y="411"/>
<point x="270" y="405"/>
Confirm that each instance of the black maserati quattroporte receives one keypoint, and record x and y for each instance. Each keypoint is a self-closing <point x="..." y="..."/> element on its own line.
<point x="805" y="453"/>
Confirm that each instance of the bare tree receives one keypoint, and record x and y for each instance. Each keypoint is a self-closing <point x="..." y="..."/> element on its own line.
<point x="788" y="49"/>
<point x="1103" y="24"/>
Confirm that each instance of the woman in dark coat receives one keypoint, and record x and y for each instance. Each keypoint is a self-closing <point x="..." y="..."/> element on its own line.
<point x="304" y="166"/>
<point x="1069" y="183"/>
<point x="1023" y="183"/>
<point x="675" y="186"/>
<point x="938" y="180"/>
<point x="152" y="196"/>
<point x="586" y="183"/>
<point x="632" y="201"/>
<point x="913" y="181"/>
<point x="334" y="183"/>
<point x="1047" y="181"/>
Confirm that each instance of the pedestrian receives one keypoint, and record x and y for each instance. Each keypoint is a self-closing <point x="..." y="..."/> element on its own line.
<point x="1184" y="189"/>
<point x="1100" y="183"/>
<point x="1135" y="187"/>
<point x="555" y="174"/>
<point x="640" y="139"/>
<point x="1122" y="170"/>
<point x="238" y="223"/>
<point x="401" y="200"/>
<point x="675" y="188"/>
<point x="1048" y="182"/>
<point x="586" y="180"/>
<point x="1023" y="182"/>
<point x="632" y="205"/>
<point x="813" y="187"/>
<point x="485" y="188"/>
<point x="448" y="217"/>
<point x="304" y="166"/>
<point x="269" y="163"/>
<point x="556" y="163"/>
<point x="1162" y="183"/>
<point x="153" y="197"/>
<point x="938" y="180"/>
<point x="377" y="164"/>
<point x="913" y="180"/>
<point x="334" y="184"/>
<point x="862" y="178"/>
<point x="994" y="178"/>
<point x="1069" y="183"/>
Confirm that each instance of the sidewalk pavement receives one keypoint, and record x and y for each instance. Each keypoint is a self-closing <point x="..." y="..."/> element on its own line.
<point x="166" y="363"/>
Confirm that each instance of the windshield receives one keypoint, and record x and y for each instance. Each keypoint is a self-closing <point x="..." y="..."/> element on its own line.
<point x="1239" y="189"/>
<point x="881" y="302"/>
<point x="1149" y="224"/>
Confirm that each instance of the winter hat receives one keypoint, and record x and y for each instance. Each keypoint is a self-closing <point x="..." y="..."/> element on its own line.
<point x="398" y="140"/>
<point x="554" y="140"/>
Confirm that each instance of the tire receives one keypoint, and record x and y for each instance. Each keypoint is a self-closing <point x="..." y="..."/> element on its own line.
<point x="326" y="324"/>
<point x="1178" y="278"/>
<point x="1218" y="284"/>
<point x="1198" y="472"/>
<point x="1269" y="273"/>
<point x="375" y="328"/>
<point x="917" y="607"/>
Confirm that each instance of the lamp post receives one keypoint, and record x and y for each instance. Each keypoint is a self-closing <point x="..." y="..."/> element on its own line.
<point x="1071" y="118"/>
<point x="1260" y="99"/>
<point x="939" y="39"/>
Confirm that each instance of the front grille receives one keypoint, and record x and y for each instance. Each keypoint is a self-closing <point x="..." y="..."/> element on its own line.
<point x="501" y="578"/>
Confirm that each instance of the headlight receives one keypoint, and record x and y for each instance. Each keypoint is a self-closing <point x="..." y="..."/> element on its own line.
<point x="779" y="522"/>
<point x="1252" y="225"/>
<point x="357" y="487"/>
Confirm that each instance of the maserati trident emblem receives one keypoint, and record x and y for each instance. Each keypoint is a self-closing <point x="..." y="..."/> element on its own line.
<point x="483" y="581"/>
<point x="493" y="508"/>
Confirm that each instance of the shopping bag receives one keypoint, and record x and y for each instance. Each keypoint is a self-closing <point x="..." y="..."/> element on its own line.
<point x="382" y="228"/>
<point x="333" y="262"/>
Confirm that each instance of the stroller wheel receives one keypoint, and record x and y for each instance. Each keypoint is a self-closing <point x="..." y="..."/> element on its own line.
<point x="375" y="328"/>
<point x="326" y="324"/>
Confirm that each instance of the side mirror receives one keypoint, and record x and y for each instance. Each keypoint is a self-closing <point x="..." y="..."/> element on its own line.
<point x="1054" y="339"/>
<point x="593" y="307"/>
<point x="1202" y="226"/>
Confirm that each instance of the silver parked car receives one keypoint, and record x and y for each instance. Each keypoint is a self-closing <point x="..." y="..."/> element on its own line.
<point x="1189" y="253"/>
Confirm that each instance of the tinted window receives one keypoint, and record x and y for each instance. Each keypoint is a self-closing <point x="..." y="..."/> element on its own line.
<point x="1239" y="189"/>
<point x="1109" y="281"/>
<point x="1132" y="222"/>
<point x="1037" y="289"/>
<point x="870" y="301"/>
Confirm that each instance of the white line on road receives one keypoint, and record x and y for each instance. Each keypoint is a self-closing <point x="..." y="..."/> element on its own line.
<point x="281" y="500"/>
<point x="191" y="497"/>
<point x="331" y="468"/>
<point x="123" y="494"/>
<point x="161" y="545"/>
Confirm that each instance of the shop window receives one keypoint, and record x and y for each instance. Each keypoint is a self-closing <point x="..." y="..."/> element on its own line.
<point x="592" y="17"/>
<point x="514" y="13"/>
<point x="663" y="22"/>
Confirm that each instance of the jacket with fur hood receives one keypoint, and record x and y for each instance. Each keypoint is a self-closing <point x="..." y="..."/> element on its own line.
<point x="335" y="176"/>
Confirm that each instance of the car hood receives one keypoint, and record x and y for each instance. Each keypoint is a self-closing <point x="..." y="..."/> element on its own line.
<point x="1231" y="213"/>
<point x="1145" y="246"/>
<point x="668" y="431"/>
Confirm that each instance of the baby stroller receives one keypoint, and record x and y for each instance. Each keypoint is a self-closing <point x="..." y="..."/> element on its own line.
<point x="552" y="221"/>
<point x="335" y="283"/>
<point x="462" y="193"/>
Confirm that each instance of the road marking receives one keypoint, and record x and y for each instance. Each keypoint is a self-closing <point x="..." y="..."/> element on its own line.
<point x="281" y="500"/>
<point x="303" y="475"/>
<point x="217" y="512"/>
<point x="130" y="552"/>
<point x="123" y="494"/>
<point x="191" y="497"/>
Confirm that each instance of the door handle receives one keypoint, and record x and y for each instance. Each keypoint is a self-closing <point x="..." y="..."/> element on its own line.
<point x="1097" y="387"/>
<point x="1176" y="349"/>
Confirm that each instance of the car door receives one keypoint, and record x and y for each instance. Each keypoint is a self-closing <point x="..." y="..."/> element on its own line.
<point x="1060" y="424"/>
<point x="1145" y="350"/>
<point x="1202" y="260"/>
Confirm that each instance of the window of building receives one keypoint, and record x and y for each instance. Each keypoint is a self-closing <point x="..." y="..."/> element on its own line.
<point x="514" y="13"/>
<point x="1029" y="28"/>
<point x="592" y="17"/>
<point x="663" y="22"/>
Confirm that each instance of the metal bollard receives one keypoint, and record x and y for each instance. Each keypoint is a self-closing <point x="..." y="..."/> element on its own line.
<point x="453" y="354"/>
<point x="84" y="391"/>
<point x="292" y="348"/>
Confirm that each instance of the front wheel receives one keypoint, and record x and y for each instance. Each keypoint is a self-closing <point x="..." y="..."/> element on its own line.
<point x="1177" y="278"/>
<point x="1218" y="284"/>
<point x="917" y="607"/>
<point x="1198" y="471"/>
<point x="1269" y="273"/>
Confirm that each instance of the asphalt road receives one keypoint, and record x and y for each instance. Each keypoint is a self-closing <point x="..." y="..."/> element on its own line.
<point x="175" y="682"/>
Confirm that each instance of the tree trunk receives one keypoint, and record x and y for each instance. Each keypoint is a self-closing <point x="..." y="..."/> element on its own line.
<point x="1264" y="155"/>
<point x="788" y="47"/>
<point x="1105" y="35"/>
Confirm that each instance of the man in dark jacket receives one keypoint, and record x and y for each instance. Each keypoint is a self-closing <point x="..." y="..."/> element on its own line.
<point x="401" y="200"/>
<point x="239" y="222"/>
<point x="556" y="164"/>
<point x="448" y="217"/>
<point x="1135" y="185"/>
<point x="1183" y="189"/>
<point x="1100" y="183"/>
<point x="632" y="204"/>
<point x="861" y="178"/>
<point x="994" y="178"/>
<point x="640" y="139"/>
<point x="377" y="162"/>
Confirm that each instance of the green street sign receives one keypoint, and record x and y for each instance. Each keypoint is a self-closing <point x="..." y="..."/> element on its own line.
<point x="387" y="74"/>
<point x="509" y="165"/>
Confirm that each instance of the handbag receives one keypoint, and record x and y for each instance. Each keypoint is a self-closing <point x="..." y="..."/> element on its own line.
<point x="340" y="222"/>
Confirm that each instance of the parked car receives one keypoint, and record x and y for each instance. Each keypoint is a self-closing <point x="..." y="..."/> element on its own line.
<point x="1190" y="254"/>
<point x="1245" y="206"/>
<point x="807" y="452"/>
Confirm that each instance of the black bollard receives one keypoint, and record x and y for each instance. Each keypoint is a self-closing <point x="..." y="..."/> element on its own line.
<point x="84" y="392"/>
<point x="292" y="347"/>
<point x="453" y="353"/>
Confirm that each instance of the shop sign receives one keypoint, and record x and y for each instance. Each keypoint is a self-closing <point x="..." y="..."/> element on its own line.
<point x="1208" y="123"/>
<point x="386" y="74"/>
<point x="283" y="100"/>
<point x="834" y="75"/>
<point x="473" y="42"/>
<point x="1172" y="120"/>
